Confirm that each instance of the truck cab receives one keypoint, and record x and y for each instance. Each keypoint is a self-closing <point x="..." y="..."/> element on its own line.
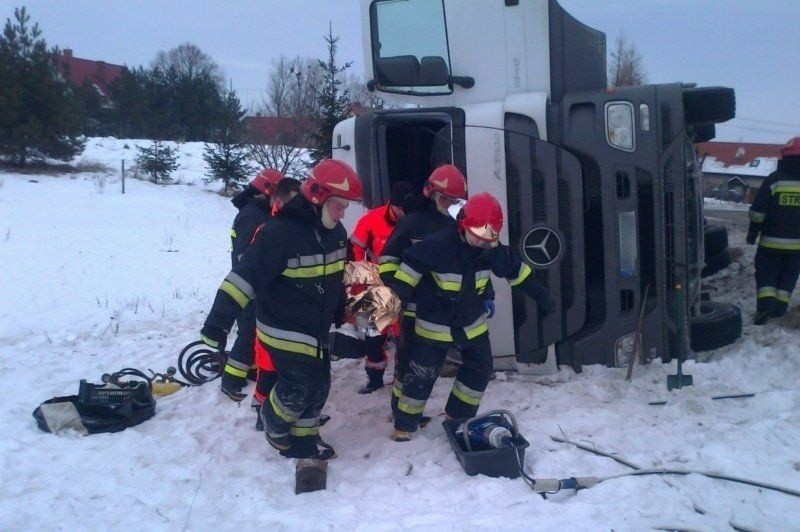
<point x="599" y="186"/>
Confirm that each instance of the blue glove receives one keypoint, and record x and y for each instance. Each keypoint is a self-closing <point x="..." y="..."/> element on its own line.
<point x="488" y="305"/>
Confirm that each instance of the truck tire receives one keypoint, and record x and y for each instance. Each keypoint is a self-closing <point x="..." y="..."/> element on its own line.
<point x="715" y="239"/>
<point x="716" y="325"/>
<point x="708" y="104"/>
<point x="716" y="263"/>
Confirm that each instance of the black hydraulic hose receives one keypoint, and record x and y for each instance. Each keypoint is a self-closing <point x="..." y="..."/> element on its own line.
<point x="551" y="485"/>
<point x="199" y="364"/>
<point x="718" y="476"/>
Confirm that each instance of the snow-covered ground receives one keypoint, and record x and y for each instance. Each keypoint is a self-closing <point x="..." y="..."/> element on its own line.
<point x="720" y="205"/>
<point x="93" y="281"/>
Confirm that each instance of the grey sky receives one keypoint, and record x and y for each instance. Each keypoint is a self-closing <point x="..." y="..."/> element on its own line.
<point x="751" y="45"/>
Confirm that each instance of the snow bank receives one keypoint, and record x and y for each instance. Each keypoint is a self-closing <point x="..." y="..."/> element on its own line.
<point x="94" y="281"/>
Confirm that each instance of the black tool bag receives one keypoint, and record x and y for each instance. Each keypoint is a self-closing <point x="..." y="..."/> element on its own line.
<point x="98" y="408"/>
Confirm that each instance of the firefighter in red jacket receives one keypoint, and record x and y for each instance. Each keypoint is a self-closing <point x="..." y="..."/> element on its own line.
<point x="254" y="205"/>
<point x="446" y="274"/>
<point x="295" y="271"/>
<point x="367" y="241"/>
<point x="775" y="214"/>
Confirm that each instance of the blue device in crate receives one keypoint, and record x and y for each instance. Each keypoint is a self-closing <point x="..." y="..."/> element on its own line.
<point x="489" y="444"/>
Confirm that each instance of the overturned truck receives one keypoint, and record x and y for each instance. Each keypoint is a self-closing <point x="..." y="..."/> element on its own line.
<point x="600" y="187"/>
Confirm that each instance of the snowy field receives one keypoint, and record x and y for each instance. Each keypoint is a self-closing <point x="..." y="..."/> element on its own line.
<point x="720" y="205"/>
<point x="94" y="281"/>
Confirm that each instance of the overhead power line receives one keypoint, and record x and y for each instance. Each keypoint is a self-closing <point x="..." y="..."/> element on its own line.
<point x="758" y="129"/>
<point x="766" y="122"/>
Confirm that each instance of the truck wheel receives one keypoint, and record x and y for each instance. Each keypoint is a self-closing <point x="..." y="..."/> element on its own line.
<point x="716" y="263"/>
<point x="715" y="239"/>
<point x="716" y="325"/>
<point x="708" y="104"/>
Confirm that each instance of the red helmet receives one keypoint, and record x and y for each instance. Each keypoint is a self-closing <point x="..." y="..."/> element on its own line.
<point x="482" y="217"/>
<point x="447" y="180"/>
<point x="792" y="147"/>
<point x="331" y="178"/>
<point x="266" y="180"/>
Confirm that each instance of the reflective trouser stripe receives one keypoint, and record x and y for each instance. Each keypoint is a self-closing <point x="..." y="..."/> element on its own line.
<point x="281" y="411"/>
<point x="757" y="216"/>
<point x="766" y="291"/>
<point x="397" y="389"/>
<point x="411" y="406"/>
<point x="786" y="244"/>
<point x="305" y="427"/>
<point x="783" y="295"/>
<point x="466" y="394"/>
<point x="236" y="368"/>
<point x="233" y="233"/>
<point x="524" y="272"/>
<point x="411" y="310"/>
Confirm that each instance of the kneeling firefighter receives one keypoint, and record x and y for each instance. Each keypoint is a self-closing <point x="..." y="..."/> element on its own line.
<point x="775" y="214"/>
<point x="294" y="270"/>
<point x="446" y="275"/>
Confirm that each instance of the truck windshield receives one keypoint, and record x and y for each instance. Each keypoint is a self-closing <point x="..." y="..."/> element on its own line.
<point x="409" y="46"/>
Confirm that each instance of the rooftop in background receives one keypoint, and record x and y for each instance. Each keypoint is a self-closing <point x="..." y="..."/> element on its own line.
<point x="99" y="73"/>
<point x="740" y="158"/>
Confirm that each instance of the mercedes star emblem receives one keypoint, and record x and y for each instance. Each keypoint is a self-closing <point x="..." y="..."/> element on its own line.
<point x="542" y="247"/>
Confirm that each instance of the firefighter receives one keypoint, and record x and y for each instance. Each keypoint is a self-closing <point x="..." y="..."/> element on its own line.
<point x="445" y="187"/>
<point x="254" y="209"/>
<point x="446" y="274"/>
<point x="295" y="270"/>
<point x="775" y="214"/>
<point x="367" y="241"/>
<point x="285" y="190"/>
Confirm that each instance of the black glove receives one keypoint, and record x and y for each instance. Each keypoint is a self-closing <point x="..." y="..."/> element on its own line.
<point x="751" y="237"/>
<point x="214" y="337"/>
<point x="546" y="306"/>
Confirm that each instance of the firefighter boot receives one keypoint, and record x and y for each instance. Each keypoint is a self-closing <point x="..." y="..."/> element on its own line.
<point x="232" y="386"/>
<point x="401" y="435"/>
<point x="374" y="382"/>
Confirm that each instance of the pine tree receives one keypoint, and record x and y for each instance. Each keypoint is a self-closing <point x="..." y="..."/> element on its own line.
<point x="228" y="158"/>
<point x="157" y="160"/>
<point x="40" y="115"/>
<point x="626" y="68"/>
<point x="332" y="102"/>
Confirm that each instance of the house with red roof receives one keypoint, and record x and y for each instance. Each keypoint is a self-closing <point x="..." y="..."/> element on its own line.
<point x="97" y="73"/>
<point x="735" y="170"/>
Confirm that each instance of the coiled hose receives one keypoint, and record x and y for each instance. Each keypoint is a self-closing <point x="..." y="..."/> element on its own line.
<point x="199" y="364"/>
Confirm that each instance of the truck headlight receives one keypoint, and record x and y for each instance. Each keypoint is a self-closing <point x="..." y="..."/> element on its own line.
<point x="623" y="348"/>
<point x="619" y="125"/>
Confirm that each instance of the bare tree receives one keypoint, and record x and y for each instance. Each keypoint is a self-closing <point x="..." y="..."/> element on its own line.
<point x="626" y="67"/>
<point x="357" y="87"/>
<point x="290" y="87"/>
<point x="290" y="96"/>
<point x="188" y="60"/>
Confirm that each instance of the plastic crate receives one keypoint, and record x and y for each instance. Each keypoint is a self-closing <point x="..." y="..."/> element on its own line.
<point x="492" y="462"/>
